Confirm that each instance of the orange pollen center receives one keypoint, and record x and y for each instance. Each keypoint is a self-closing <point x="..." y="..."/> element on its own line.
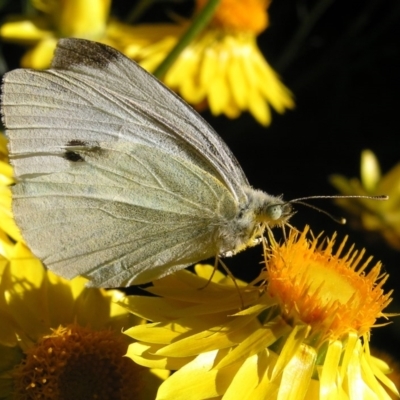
<point x="78" y="363"/>
<point x="240" y="15"/>
<point x="322" y="289"/>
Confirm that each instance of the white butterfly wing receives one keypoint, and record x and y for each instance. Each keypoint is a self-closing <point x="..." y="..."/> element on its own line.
<point x="94" y="93"/>
<point x="119" y="180"/>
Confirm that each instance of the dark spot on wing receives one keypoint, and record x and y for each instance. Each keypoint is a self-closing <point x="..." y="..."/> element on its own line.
<point x="77" y="142"/>
<point x="73" y="156"/>
<point x="76" y="149"/>
<point x="72" y="53"/>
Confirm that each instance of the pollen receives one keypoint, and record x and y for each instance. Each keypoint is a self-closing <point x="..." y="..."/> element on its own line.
<point x="330" y="292"/>
<point x="78" y="363"/>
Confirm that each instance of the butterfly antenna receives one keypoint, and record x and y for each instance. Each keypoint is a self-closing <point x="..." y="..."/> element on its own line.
<point x="340" y="196"/>
<point x="341" y="220"/>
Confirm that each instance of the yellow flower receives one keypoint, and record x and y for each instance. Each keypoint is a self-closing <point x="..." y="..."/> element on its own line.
<point x="222" y="68"/>
<point x="7" y="225"/>
<point x="302" y="332"/>
<point x="56" y="334"/>
<point x="59" y="339"/>
<point x="382" y="217"/>
<point x="86" y="19"/>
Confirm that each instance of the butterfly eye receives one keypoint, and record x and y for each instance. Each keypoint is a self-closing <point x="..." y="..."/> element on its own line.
<point x="274" y="211"/>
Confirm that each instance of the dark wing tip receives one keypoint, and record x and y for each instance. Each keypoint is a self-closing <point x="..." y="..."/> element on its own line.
<point x="72" y="52"/>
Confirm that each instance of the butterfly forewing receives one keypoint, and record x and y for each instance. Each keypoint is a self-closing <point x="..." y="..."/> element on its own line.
<point x="93" y="93"/>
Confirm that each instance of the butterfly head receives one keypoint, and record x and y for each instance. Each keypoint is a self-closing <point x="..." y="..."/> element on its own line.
<point x="267" y="209"/>
<point x="278" y="213"/>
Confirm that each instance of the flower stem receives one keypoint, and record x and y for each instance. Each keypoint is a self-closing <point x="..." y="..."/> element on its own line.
<point x="198" y="24"/>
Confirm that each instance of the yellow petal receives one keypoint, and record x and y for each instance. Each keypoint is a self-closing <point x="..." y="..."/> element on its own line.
<point x="297" y="374"/>
<point x="259" y="339"/>
<point x="292" y="344"/>
<point x="245" y="380"/>
<point x="89" y="299"/>
<point x="370" y="170"/>
<point x="8" y="224"/>
<point x="197" y="380"/>
<point x="218" y="91"/>
<point x="238" y="81"/>
<point x="328" y="378"/>
<point x="7" y="332"/>
<point x="25" y="31"/>
<point x="82" y="18"/>
<point x="369" y="369"/>
<point x="192" y="92"/>
<point x="269" y="83"/>
<point x="143" y="354"/>
<point x="6" y="173"/>
<point x="217" y="337"/>
<point x="40" y="56"/>
<point x="185" y="65"/>
<point x="259" y="107"/>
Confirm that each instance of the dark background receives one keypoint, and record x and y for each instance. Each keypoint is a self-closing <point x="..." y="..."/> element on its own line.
<point x="341" y="59"/>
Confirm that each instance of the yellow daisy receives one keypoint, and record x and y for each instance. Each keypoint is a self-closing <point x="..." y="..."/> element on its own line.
<point x="382" y="217"/>
<point x="302" y="332"/>
<point x="59" y="339"/>
<point x="223" y="67"/>
<point x="55" y="19"/>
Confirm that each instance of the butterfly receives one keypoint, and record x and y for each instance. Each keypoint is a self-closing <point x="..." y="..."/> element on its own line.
<point x="117" y="178"/>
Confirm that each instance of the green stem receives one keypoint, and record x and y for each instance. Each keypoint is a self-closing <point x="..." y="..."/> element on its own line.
<point x="199" y="23"/>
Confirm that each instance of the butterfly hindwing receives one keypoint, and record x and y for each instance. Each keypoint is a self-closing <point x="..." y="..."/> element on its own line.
<point x="122" y="214"/>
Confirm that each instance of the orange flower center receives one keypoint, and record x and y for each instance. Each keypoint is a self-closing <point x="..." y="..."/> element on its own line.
<point x="240" y="15"/>
<point x="318" y="287"/>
